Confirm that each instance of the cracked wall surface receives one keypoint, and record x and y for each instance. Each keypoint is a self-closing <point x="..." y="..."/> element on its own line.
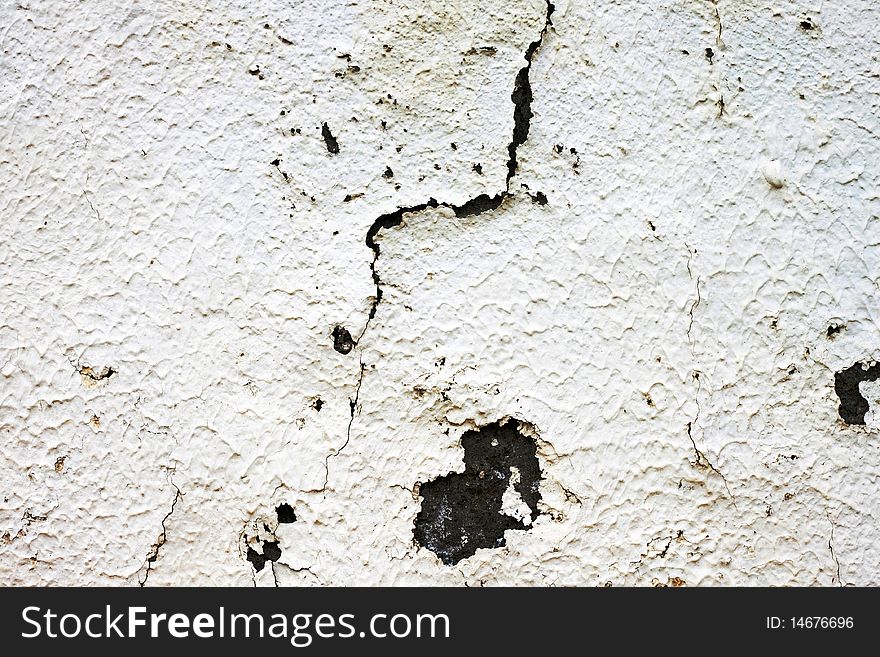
<point x="269" y="268"/>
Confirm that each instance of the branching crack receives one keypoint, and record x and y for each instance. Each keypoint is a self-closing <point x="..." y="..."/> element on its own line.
<point x="92" y="205"/>
<point x="522" y="115"/>
<point x="702" y="461"/>
<point x="163" y="536"/>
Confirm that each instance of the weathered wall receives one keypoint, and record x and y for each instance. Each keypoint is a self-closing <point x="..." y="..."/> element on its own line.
<point x="267" y="266"/>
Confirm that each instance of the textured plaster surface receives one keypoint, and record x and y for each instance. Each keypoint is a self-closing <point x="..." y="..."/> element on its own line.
<point x="660" y="298"/>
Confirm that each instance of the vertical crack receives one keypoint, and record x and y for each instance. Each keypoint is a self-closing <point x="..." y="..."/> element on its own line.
<point x="522" y="98"/>
<point x="353" y="408"/>
<point x="162" y="538"/>
<point x="831" y="547"/>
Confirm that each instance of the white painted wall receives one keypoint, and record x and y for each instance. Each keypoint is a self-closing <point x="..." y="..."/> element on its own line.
<point x="660" y="322"/>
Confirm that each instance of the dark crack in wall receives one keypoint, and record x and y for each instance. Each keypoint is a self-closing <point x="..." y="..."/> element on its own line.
<point x="522" y="116"/>
<point x="462" y="512"/>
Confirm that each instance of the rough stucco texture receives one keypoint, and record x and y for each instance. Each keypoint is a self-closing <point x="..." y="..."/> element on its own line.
<point x="268" y="268"/>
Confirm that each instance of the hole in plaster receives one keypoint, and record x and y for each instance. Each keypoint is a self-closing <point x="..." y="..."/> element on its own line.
<point x="329" y="139"/>
<point x="853" y="405"/>
<point x="498" y="490"/>
<point x="342" y="340"/>
<point x="285" y="513"/>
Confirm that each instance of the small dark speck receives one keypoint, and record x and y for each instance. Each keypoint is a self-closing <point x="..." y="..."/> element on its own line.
<point x="388" y="173"/>
<point x="685" y="52"/>
<point x="710" y="54"/>
<point x="834" y="329"/>
<point x="276" y="162"/>
<point x="478" y="168"/>
<point x="807" y="25"/>
<point x="540" y="198"/>
<point x="454" y="147"/>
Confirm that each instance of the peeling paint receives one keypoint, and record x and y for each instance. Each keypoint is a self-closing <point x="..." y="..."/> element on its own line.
<point x="304" y="268"/>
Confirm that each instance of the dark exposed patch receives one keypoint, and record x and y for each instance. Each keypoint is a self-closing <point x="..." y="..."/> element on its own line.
<point x="388" y="173"/>
<point x="833" y="329"/>
<point x="853" y="405"/>
<point x="286" y="515"/>
<point x="461" y="512"/>
<point x="318" y="404"/>
<point x="710" y="54"/>
<point x="539" y="197"/>
<point x="478" y="168"/>
<point x="342" y="340"/>
<point x="271" y="552"/>
<point x="807" y="24"/>
<point x="329" y="139"/>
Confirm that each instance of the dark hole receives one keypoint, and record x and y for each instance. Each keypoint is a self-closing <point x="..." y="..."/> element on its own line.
<point x="342" y="340"/>
<point x="461" y="512"/>
<point x="285" y="513"/>
<point x="329" y="139"/>
<point x="271" y="551"/>
<point x="853" y="405"/>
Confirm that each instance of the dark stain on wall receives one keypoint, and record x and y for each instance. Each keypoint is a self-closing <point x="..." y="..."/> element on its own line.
<point x="461" y="512"/>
